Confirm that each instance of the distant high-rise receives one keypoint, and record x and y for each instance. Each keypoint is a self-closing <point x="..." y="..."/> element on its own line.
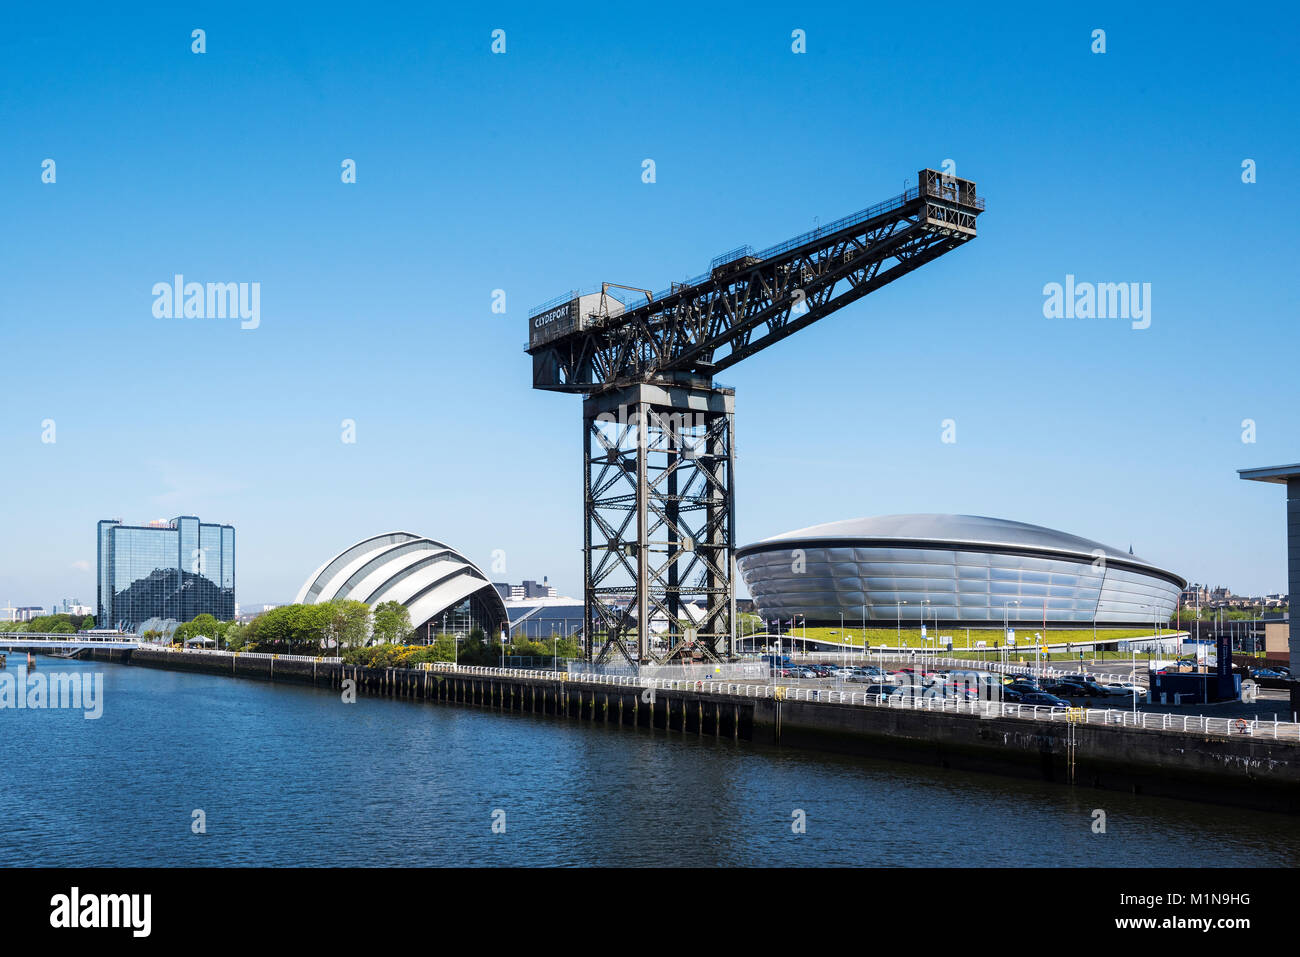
<point x="178" y="569"/>
<point x="525" y="589"/>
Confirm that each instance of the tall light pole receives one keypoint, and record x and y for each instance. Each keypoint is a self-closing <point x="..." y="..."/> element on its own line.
<point x="1006" y="625"/>
<point x="924" y="602"/>
<point x="864" y="633"/>
<point x="900" y="605"/>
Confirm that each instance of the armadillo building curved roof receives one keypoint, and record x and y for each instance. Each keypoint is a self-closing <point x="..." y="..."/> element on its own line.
<point x="427" y="576"/>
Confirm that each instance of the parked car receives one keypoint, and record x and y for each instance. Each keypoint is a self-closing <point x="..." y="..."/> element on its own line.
<point x="969" y="692"/>
<point x="1090" y="689"/>
<point x="1009" y="695"/>
<point x="1121" y="689"/>
<point x="881" y="689"/>
<point x="1079" y="679"/>
<point x="1024" y="687"/>
<point x="1258" y="673"/>
<point x="1044" y="699"/>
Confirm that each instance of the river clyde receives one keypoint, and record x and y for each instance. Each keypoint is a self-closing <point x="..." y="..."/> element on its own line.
<point x="283" y="775"/>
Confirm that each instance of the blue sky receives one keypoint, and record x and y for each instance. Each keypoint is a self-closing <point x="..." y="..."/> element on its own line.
<point x="522" y="172"/>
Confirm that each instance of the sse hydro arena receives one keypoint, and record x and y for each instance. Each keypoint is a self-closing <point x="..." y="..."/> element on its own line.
<point x="954" y="569"/>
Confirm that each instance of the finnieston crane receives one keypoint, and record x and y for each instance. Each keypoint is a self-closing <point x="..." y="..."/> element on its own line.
<point x="658" y="449"/>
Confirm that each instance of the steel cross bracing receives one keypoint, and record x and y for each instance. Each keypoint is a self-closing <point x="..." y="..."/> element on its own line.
<point x="658" y="474"/>
<point x="659" y="540"/>
<point x="751" y="302"/>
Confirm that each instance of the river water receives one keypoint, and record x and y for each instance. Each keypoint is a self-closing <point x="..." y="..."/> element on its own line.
<point x="286" y="775"/>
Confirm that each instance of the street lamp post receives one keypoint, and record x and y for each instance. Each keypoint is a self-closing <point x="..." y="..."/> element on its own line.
<point x="924" y="602"/>
<point x="1006" y="626"/>
<point x="864" y="633"/>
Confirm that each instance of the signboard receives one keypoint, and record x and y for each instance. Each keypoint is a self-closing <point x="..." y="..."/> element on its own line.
<point x="553" y="323"/>
<point x="571" y="316"/>
<point x="923" y="632"/>
<point x="1011" y="636"/>
<point x="981" y="643"/>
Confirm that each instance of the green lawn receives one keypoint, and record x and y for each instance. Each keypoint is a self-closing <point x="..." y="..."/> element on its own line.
<point x="962" y="638"/>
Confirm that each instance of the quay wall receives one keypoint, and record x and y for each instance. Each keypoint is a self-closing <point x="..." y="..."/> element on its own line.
<point x="1245" y="771"/>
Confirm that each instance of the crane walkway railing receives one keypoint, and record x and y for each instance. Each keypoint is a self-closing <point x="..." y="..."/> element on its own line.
<point x="844" y="222"/>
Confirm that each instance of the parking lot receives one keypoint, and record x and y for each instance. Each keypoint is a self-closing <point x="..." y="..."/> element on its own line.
<point x="1118" y="690"/>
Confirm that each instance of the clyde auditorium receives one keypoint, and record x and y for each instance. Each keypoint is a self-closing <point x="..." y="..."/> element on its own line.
<point x="963" y="569"/>
<point x="441" y="588"/>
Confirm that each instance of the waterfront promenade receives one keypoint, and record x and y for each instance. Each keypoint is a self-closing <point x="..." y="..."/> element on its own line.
<point x="1247" y="762"/>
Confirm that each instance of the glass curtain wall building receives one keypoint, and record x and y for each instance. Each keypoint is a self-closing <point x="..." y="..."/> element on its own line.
<point x="174" y="570"/>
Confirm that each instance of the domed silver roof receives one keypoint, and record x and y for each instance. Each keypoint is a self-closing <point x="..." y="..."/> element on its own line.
<point x="939" y="528"/>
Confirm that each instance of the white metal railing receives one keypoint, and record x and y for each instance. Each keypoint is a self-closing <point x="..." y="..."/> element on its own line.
<point x="57" y="638"/>
<point x="243" y="654"/>
<point x="974" y="664"/>
<point x="1141" y="720"/>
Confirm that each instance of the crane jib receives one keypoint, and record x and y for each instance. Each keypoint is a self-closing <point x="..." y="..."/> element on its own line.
<point x="587" y="341"/>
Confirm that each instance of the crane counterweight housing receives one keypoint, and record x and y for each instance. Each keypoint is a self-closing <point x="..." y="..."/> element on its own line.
<point x="659" y="512"/>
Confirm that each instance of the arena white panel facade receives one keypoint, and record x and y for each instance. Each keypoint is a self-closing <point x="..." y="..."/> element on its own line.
<point x="960" y="568"/>
<point x="433" y="581"/>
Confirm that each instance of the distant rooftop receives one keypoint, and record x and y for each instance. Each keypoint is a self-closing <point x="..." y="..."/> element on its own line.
<point x="1272" y="473"/>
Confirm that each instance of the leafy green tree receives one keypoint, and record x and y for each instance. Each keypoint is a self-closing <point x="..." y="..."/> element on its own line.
<point x="87" y="623"/>
<point x="392" y="623"/>
<point x="203" y="626"/>
<point x="236" y="636"/>
<point x="347" y="623"/>
<point x="53" y="624"/>
<point x="303" y="630"/>
<point x="443" y="648"/>
<point x="477" y="650"/>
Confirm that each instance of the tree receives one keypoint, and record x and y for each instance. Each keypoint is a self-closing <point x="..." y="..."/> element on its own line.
<point x="88" y="623"/>
<point x="347" y="623"/>
<point x="203" y="626"/>
<point x="476" y="650"/>
<point x="392" y="623"/>
<point x="236" y="636"/>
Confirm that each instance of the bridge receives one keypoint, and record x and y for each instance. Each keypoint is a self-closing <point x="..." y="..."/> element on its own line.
<point x="56" y="643"/>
